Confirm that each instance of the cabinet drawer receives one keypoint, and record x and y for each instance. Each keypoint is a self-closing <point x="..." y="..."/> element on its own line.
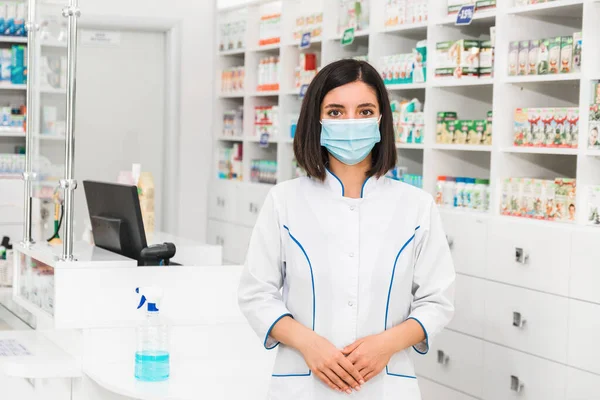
<point x="584" y="332"/>
<point x="222" y="234"/>
<point x="431" y="390"/>
<point x="454" y="360"/>
<point x="469" y="306"/>
<point x="510" y="374"/>
<point x="242" y="240"/>
<point x="222" y="201"/>
<point x="582" y="385"/>
<point x="526" y="320"/>
<point x="529" y="254"/>
<point x="585" y="273"/>
<point x="467" y="236"/>
<point x="249" y="202"/>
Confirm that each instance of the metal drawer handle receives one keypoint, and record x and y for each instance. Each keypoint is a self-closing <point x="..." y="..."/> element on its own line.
<point x="220" y="201"/>
<point x="520" y="256"/>
<point x="515" y="384"/>
<point x="450" y="241"/>
<point x="253" y="208"/>
<point x="442" y="358"/>
<point x="220" y="241"/>
<point x="518" y="320"/>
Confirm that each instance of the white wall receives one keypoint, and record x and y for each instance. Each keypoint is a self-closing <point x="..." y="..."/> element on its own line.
<point x="197" y="63"/>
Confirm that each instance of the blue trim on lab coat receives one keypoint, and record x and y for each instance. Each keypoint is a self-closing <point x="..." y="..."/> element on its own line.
<point x="271" y="328"/>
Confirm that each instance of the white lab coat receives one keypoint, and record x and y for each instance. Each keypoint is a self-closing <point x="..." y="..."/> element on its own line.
<point x="347" y="268"/>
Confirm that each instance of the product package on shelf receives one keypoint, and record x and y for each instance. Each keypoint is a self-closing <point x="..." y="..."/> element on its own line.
<point x="593" y="207"/>
<point x="553" y="200"/>
<point x="233" y="122"/>
<point x="232" y="80"/>
<point x="53" y="72"/>
<point x="18" y="68"/>
<point x="353" y="14"/>
<point x="546" y="127"/>
<point x="263" y="171"/>
<point x="462" y="59"/>
<point x="312" y="23"/>
<point x="399" y="173"/>
<point x="12" y="164"/>
<point x="454" y="6"/>
<point x="266" y="122"/>
<point x="233" y="36"/>
<point x="230" y="162"/>
<point x="306" y="69"/>
<point x="462" y="192"/>
<point x="405" y="68"/>
<point x="269" y="29"/>
<point x="409" y="121"/>
<point x="450" y="130"/>
<point x="399" y="12"/>
<point x="555" y="55"/>
<point x="594" y="127"/>
<point x="268" y="74"/>
<point x="12" y="19"/>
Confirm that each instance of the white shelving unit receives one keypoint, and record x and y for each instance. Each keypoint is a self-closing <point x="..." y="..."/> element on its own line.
<point x="553" y="288"/>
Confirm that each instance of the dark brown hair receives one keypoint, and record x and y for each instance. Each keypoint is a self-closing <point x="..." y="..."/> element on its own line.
<point x="314" y="158"/>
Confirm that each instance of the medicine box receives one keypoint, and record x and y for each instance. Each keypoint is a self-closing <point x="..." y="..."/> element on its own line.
<point x="554" y="55"/>
<point x="513" y="58"/>
<point x="486" y="59"/>
<point x="443" y="135"/>
<point x="577" y="47"/>
<point x="523" y="58"/>
<point x="521" y="127"/>
<point x="454" y="6"/>
<point x="566" y="54"/>
<point x="543" y="57"/>
<point x="534" y="48"/>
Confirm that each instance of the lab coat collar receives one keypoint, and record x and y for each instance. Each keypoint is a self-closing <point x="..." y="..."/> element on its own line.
<point x="335" y="184"/>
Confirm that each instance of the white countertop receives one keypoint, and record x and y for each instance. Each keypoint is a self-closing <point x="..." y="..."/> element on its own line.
<point x="46" y="360"/>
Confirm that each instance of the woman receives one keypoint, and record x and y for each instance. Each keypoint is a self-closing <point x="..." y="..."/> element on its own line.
<point x="346" y="269"/>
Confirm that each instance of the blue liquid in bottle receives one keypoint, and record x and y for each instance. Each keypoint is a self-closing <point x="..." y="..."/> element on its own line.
<point x="152" y="366"/>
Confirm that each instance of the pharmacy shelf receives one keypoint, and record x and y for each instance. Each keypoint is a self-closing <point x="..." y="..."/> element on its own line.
<point x="540" y="150"/>
<point x="13" y="39"/>
<point x="564" y="8"/>
<point x="235" y="52"/>
<point x="230" y="138"/>
<point x="575" y="76"/>
<point x="465" y="82"/>
<point x="51" y="90"/>
<point x="54" y="43"/>
<point x="593" y="152"/>
<point x="15" y="177"/>
<point x="420" y="27"/>
<point x="481" y="17"/>
<point x="357" y="34"/>
<point x="236" y="95"/>
<point x="316" y="41"/>
<point x="12" y="86"/>
<point x="12" y="134"/>
<point x="266" y="48"/>
<point x="406" y="86"/>
<point x="417" y="146"/>
<point x="266" y="93"/>
<point x="461" y="147"/>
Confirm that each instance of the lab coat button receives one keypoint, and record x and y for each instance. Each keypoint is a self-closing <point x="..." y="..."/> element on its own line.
<point x="352" y="208"/>
<point x="351" y="255"/>
<point x="351" y="304"/>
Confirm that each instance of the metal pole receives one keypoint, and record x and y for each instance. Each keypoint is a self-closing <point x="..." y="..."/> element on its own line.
<point x="69" y="184"/>
<point x="28" y="175"/>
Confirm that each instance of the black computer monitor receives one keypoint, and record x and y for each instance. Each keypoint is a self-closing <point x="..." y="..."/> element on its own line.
<point x="116" y="218"/>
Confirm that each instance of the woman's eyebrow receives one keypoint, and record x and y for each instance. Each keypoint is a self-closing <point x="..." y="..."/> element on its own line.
<point x="366" y="105"/>
<point x="333" y="105"/>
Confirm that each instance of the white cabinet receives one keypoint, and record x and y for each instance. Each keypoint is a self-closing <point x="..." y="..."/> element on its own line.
<point x="584" y="336"/>
<point x="469" y="306"/>
<point x="585" y="271"/>
<point x="529" y="254"/>
<point x="467" y="237"/>
<point x="582" y="385"/>
<point x="11" y="202"/>
<point x="222" y="201"/>
<point x="510" y="374"/>
<point x="249" y="202"/>
<point x="526" y="320"/>
<point x="222" y="234"/>
<point x="431" y="390"/>
<point x="454" y="360"/>
<point x="242" y="240"/>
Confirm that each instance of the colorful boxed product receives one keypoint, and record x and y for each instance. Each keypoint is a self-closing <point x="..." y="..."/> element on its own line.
<point x="566" y="54"/>
<point x="577" y="49"/>
<point x="486" y="59"/>
<point x="561" y="133"/>
<point x="461" y="131"/>
<point x="573" y="126"/>
<point x="447" y="59"/>
<point x="554" y="55"/>
<point x="485" y="4"/>
<point x="477" y="134"/>
<point x="521" y="127"/>
<point x="593" y="208"/>
<point x="523" y="58"/>
<point x="454" y="6"/>
<point x="458" y="59"/>
<point x="549" y="127"/>
<point x="542" y="64"/>
<point x="513" y="58"/>
<point x="443" y="135"/>
<point x="488" y="129"/>
<point x="565" y="193"/>
<point x="353" y="14"/>
<point x="594" y="127"/>
<point x="532" y="56"/>
<point x="536" y="134"/>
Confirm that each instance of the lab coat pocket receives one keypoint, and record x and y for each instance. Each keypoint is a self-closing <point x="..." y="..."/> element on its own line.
<point x="401" y="366"/>
<point x="290" y="363"/>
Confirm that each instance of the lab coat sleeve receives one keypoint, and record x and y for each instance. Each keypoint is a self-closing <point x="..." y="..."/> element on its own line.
<point x="259" y="293"/>
<point x="433" y="281"/>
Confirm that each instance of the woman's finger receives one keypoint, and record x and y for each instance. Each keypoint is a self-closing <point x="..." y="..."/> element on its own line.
<point x="337" y="380"/>
<point x="346" y="377"/>
<point x="352" y="369"/>
<point x="370" y="375"/>
<point x="327" y="381"/>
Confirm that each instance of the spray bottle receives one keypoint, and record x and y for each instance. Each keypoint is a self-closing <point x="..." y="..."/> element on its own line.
<point x="152" y="361"/>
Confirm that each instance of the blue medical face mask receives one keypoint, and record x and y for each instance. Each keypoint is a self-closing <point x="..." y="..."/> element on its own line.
<point x="350" y="140"/>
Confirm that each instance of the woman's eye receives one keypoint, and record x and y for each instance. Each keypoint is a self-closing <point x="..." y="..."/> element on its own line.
<point x="366" y="113"/>
<point x="334" y="113"/>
